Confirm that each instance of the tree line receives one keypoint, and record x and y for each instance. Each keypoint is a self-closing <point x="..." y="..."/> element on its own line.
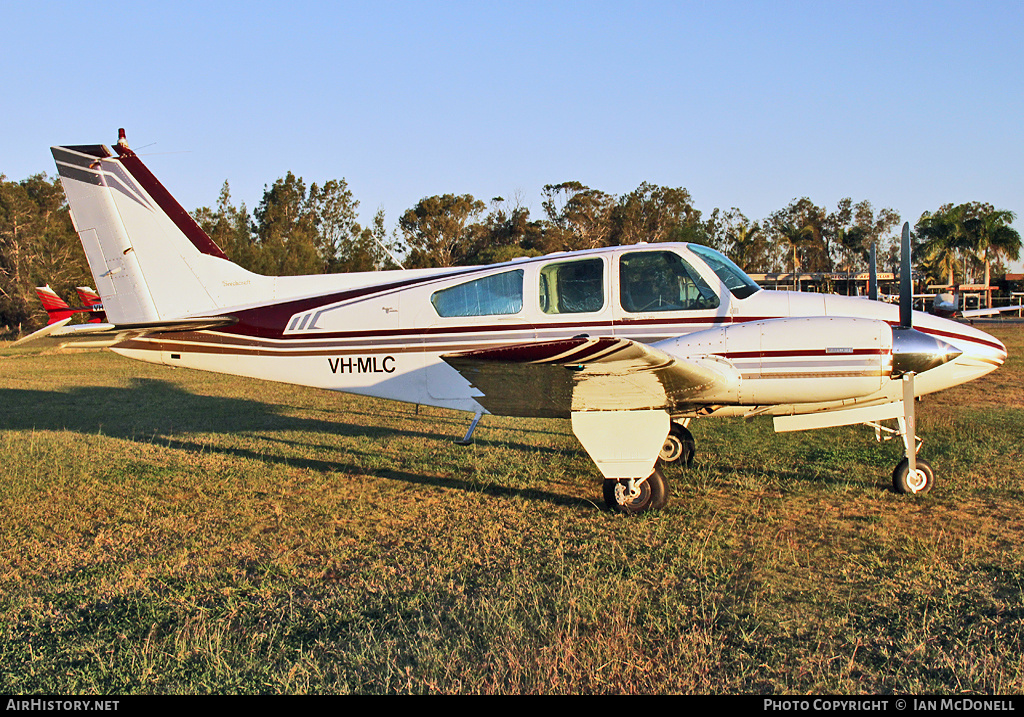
<point x="311" y="229"/>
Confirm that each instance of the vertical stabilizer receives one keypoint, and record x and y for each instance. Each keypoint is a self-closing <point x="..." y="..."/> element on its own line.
<point x="150" y="260"/>
<point x="56" y="308"/>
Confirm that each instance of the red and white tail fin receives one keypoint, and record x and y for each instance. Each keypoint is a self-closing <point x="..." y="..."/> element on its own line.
<point x="56" y="308"/>
<point x="88" y="296"/>
<point x="150" y="260"/>
<point x="91" y="300"/>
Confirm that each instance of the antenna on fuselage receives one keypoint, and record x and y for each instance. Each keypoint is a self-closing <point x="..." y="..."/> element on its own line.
<point x="390" y="253"/>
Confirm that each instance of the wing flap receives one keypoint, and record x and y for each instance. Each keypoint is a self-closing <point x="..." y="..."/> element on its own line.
<point x="555" y="378"/>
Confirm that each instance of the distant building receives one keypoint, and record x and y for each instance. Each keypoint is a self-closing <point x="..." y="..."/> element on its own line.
<point x="828" y="282"/>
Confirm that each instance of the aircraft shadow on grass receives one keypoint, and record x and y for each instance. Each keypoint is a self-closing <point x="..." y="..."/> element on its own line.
<point x="155" y="411"/>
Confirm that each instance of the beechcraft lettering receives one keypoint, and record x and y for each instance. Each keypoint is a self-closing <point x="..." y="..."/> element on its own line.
<point x="629" y="343"/>
<point x="361" y="364"/>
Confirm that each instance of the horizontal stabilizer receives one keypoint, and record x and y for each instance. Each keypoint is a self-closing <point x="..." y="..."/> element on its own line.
<point x="58" y="335"/>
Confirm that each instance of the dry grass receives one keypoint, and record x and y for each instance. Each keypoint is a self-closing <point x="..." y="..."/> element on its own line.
<point x="167" y="531"/>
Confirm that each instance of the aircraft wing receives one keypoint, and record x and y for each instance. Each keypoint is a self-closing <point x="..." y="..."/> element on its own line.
<point x="971" y="313"/>
<point x="554" y="378"/>
<point x="60" y="334"/>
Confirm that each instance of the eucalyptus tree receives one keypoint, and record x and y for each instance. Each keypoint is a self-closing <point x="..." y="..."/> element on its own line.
<point x="745" y="242"/>
<point x="231" y="228"/>
<point x="855" y="227"/>
<point x="878" y="228"/>
<point x="578" y="217"/>
<point x="506" y="233"/>
<point x="338" y="234"/>
<point x="286" y="231"/>
<point x="652" y="213"/>
<point x="436" y="229"/>
<point x="38" y="245"/>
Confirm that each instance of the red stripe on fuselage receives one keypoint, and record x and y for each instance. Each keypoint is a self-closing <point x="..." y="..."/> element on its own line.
<point x="961" y="337"/>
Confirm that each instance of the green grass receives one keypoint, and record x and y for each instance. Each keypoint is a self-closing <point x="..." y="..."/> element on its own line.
<point x="169" y="531"/>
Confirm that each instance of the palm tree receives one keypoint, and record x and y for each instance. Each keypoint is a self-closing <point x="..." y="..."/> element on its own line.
<point x="991" y="235"/>
<point x="744" y="244"/>
<point x="852" y="243"/>
<point x="942" y="239"/>
<point x="796" y="237"/>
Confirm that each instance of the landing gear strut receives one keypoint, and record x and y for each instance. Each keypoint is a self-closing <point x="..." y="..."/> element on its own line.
<point x="912" y="474"/>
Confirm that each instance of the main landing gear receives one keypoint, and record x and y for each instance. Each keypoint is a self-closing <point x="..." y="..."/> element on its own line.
<point x="633" y="496"/>
<point x="679" y="445"/>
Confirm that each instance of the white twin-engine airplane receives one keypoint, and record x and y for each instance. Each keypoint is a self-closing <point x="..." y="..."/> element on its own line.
<point x="629" y="342"/>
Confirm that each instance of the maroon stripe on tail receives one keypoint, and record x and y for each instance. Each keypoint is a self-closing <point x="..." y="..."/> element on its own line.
<point x="184" y="221"/>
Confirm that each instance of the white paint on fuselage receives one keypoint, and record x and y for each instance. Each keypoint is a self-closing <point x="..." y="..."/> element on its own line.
<point x="401" y="359"/>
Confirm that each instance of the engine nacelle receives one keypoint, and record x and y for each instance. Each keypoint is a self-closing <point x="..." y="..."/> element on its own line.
<point x="798" y="360"/>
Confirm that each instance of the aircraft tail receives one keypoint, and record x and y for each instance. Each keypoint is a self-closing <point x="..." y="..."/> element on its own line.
<point x="89" y="298"/>
<point x="150" y="260"/>
<point x="56" y="308"/>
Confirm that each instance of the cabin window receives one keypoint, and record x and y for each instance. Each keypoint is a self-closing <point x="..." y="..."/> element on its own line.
<point x="731" y="275"/>
<point x="492" y="295"/>
<point x="572" y="287"/>
<point x="661" y="281"/>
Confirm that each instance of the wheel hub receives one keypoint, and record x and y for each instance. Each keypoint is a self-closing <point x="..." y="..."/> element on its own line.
<point x="917" y="480"/>
<point x="672" y="449"/>
<point x="628" y="491"/>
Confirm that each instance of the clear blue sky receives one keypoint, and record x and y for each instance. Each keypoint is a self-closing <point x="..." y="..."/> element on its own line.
<point x="907" y="104"/>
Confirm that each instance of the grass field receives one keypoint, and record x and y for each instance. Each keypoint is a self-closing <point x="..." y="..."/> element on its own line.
<point x="169" y="531"/>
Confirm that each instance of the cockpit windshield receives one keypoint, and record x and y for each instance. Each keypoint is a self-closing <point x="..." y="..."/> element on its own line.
<point x="734" y="278"/>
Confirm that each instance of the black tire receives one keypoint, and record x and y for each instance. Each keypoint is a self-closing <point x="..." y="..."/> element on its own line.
<point x="679" y="446"/>
<point x="902" y="482"/>
<point x="653" y="495"/>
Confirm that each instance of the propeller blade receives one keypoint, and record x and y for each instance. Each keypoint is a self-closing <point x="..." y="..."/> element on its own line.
<point x="906" y="280"/>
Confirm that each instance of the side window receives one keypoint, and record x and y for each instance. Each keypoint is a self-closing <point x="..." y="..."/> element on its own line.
<point x="490" y="296"/>
<point x="572" y="287"/>
<point x="661" y="281"/>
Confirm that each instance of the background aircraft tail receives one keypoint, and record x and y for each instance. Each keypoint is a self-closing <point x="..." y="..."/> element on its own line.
<point x="89" y="298"/>
<point x="150" y="260"/>
<point x="56" y="308"/>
